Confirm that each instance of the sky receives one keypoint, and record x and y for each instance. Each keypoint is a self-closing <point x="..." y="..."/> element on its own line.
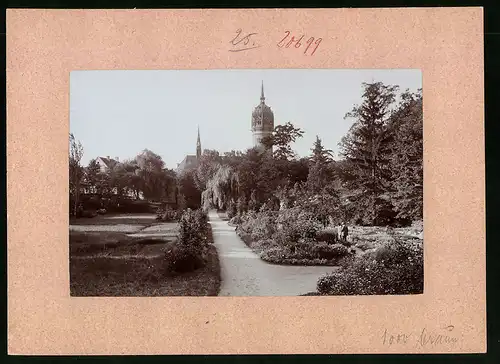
<point x="121" y="113"/>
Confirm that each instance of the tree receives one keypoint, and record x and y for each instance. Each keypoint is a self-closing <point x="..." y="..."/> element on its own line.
<point x="75" y="170"/>
<point x="221" y="188"/>
<point x="367" y="145"/>
<point x="151" y="171"/>
<point x="407" y="157"/>
<point x="208" y="164"/>
<point x="187" y="188"/>
<point x="320" y="153"/>
<point x="281" y="139"/>
<point x="320" y="172"/>
<point x="93" y="175"/>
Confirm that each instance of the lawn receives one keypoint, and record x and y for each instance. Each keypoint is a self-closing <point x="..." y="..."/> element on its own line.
<point x="114" y="264"/>
<point x="143" y="219"/>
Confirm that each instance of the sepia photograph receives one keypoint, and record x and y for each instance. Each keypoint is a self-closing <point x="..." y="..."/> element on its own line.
<point x="246" y="182"/>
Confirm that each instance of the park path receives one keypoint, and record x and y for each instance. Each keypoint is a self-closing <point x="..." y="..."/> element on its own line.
<point x="245" y="274"/>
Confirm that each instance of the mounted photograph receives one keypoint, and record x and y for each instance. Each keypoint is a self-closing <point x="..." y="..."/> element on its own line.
<point x="250" y="182"/>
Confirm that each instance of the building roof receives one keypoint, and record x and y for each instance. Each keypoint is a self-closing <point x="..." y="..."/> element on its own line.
<point x="109" y="162"/>
<point x="189" y="161"/>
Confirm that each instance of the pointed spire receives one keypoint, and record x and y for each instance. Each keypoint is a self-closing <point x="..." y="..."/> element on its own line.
<point x="198" y="145"/>
<point x="262" y="98"/>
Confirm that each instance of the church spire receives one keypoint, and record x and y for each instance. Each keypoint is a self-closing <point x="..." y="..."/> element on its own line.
<point x="198" y="145"/>
<point x="262" y="98"/>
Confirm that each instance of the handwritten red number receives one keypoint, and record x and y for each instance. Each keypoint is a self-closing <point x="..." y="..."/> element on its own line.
<point x="290" y="42"/>
<point x="318" y="41"/>
<point x="282" y="41"/>
<point x="309" y="42"/>
<point x="298" y="44"/>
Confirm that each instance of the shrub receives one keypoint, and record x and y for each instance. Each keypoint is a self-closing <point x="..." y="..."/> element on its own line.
<point x="264" y="226"/>
<point x="235" y="221"/>
<point x="231" y="209"/>
<point x="395" y="268"/>
<point x="190" y="251"/>
<point x="181" y="259"/>
<point x="241" y="205"/>
<point x="329" y="236"/>
<point x="89" y="213"/>
<point x="326" y="251"/>
<point x="296" y="224"/>
<point x="167" y="214"/>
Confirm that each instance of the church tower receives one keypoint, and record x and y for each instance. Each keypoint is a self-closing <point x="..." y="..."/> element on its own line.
<point x="198" y="145"/>
<point x="262" y="121"/>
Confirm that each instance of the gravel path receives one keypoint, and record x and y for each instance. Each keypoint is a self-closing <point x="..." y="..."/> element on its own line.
<point x="245" y="274"/>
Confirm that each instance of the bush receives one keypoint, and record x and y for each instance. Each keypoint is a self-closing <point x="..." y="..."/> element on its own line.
<point x="89" y="213"/>
<point x="395" y="268"/>
<point x="235" y="221"/>
<point x="326" y="251"/>
<point x="181" y="259"/>
<point x="296" y="224"/>
<point x="168" y="214"/>
<point x="264" y="226"/>
<point x="329" y="236"/>
<point x="190" y="251"/>
<point x="231" y="209"/>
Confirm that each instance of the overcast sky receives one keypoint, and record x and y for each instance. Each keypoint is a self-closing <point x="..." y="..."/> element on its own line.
<point x="120" y="113"/>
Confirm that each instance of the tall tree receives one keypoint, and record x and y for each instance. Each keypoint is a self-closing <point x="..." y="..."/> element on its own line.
<point x="407" y="156"/>
<point x="367" y="145"/>
<point x="320" y="153"/>
<point x="320" y="173"/>
<point x="75" y="170"/>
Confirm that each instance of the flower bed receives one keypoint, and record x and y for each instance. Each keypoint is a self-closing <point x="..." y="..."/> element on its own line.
<point x="394" y="268"/>
<point x="290" y="238"/>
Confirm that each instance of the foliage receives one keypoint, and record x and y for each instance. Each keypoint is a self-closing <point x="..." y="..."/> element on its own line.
<point x="221" y="188"/>
<point x="395" y="268"/>
<point x="208" y="165"/>
<point x="241" y="205"/>
<point x="232" y="209"/>
<point x="76" y="171"/>
<point x="168" y="214"/>
<point x="296" y="224"/>
<point x="407" y="154"/>
<point x="191" y="196"/>
<point x="383" y="152"/>
<point x="190" y="251"/>
<point x="329" y="236"/>
<point x="282" y="138"/>
<point x="367" y="145"/>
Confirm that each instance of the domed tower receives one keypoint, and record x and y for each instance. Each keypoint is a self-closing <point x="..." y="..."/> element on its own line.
<point x="262" y="121"/>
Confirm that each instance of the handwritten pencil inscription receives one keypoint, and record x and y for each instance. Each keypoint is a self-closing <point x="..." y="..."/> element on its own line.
<point x="423" y="338"/>
<point x="243" y="42"/>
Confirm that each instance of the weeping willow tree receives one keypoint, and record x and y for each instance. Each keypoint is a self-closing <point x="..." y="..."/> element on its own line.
<point x="221" y="188"/>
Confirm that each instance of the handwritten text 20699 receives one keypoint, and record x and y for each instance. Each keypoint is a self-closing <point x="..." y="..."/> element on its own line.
<point x="311" y="44"/>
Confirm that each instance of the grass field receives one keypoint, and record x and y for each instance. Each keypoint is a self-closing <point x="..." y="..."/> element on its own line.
<point x="115" y="264"/>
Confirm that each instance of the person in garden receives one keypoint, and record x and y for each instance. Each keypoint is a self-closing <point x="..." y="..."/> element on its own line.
<point x="344" y="231"/>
